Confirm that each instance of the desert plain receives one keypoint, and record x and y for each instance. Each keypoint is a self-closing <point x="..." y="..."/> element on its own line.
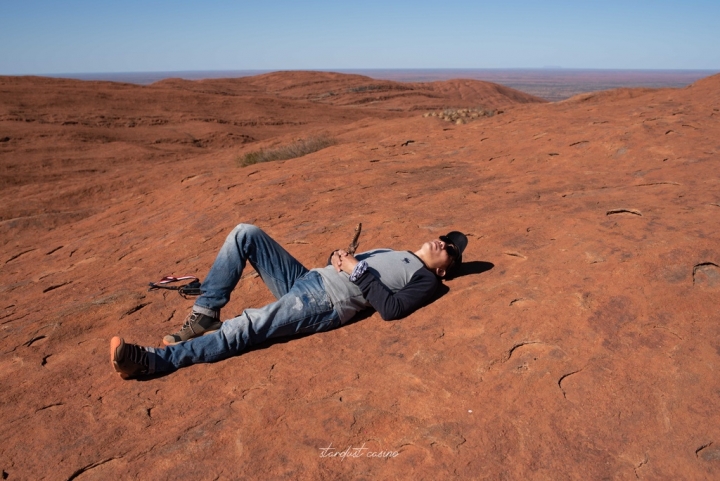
<point x="580" y="340"/>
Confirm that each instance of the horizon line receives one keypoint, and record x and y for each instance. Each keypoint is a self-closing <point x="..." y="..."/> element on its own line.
<point x="361" y="69"/>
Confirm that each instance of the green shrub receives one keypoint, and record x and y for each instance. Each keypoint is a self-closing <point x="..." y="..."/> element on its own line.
<point x="285" y="152"/>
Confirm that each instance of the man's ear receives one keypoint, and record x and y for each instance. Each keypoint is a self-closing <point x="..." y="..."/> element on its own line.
<point x="440" y="272"/>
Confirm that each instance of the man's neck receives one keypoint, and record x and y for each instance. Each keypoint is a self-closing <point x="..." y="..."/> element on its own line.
<point x="420" y="256"/>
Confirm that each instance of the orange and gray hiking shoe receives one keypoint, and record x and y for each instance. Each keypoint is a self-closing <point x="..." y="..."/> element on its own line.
<point x="129" y="360"/>
<point x="195" y="325"/>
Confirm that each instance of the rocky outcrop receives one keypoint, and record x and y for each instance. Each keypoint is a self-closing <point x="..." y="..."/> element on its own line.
<point x="580" y="341"/>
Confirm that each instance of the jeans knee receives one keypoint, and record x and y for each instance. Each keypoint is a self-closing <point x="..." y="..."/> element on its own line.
<point x="242" y="230"/>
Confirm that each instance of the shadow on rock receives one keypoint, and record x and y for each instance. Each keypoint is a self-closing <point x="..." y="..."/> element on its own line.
<point x="468" y="268"/>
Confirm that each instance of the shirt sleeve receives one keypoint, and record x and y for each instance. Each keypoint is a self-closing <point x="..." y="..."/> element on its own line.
<point x="391" y="306"/>
<point x="359" y="270"/>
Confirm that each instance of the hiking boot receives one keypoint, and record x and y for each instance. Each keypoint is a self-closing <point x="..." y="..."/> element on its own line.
<point x="195" y="325"/>
<point x="128" y="359"/>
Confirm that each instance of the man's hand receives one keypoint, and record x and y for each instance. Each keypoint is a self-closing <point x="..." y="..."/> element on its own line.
<point x="342" y="261"/>
<point x="335" y="260"/>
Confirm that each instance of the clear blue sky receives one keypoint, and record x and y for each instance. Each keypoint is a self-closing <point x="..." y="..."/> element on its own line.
<point x="79" y="36"/>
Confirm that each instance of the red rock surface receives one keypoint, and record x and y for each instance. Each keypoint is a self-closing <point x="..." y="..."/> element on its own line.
<point x="590" y="350"/>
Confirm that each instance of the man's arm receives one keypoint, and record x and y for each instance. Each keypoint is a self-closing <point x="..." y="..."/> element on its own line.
<point x="391" y="306"/>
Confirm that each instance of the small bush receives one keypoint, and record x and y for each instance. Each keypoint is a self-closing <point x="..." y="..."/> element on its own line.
<point x="291" y="151"/>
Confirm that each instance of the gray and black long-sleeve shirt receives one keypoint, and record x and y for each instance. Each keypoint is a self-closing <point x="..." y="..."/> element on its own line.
<point x="395" y="284"/>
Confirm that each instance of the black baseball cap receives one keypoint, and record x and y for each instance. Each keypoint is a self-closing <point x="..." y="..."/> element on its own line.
<point x="459" y="240"/>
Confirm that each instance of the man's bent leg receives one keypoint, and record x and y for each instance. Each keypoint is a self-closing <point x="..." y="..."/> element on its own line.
<point x="245" y="243"/>
<point x="277" y="268"/>
<point x="305" y="309"/>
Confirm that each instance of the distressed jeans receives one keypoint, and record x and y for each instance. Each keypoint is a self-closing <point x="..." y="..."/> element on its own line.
<point x="302" y="305"/>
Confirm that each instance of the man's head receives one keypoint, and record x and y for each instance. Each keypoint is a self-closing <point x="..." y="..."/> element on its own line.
<point x="441" y="255"/>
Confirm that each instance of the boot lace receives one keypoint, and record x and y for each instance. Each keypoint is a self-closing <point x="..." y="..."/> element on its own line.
<point x="137" y="355"/>
<point x="189" y="321"/>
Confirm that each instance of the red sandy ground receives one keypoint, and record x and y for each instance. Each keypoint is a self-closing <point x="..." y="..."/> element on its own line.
<point x="590" y="350"/>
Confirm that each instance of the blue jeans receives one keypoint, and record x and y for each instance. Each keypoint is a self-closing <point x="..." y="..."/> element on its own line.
<point x="302" y="305"/>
